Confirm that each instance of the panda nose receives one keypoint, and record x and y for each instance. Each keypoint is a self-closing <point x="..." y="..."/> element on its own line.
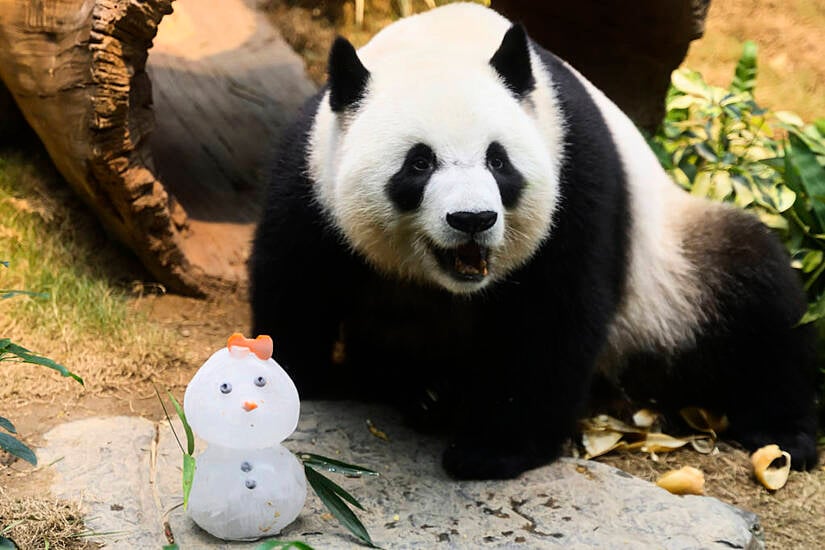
<point x="472" y="222"/>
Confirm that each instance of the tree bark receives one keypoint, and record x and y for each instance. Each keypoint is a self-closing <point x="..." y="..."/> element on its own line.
<point x="626" y="48"/>
<point x="176" y="179"/>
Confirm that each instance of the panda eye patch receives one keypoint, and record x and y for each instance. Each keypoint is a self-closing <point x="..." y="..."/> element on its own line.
<point x="509" y="179"/>
<point x="406" y="187"/>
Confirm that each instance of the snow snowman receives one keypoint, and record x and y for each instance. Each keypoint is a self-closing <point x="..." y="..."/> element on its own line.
<point x="246" y="485"/>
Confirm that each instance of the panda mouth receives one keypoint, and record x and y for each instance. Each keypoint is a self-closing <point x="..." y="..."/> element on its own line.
<point x="466" y="262"/>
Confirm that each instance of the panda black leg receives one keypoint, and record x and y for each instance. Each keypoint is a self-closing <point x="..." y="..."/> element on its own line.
<point x="750" y="359"/>
<point x="520" y="404"/>
<point x="774" y="399"/>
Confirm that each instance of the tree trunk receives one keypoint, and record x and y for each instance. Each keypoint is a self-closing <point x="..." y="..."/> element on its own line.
<point x="627" y="48"/>
<point x="174" y="176"/>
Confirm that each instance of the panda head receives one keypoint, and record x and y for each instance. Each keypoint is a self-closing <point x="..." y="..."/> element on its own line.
<point x="429" y="153"/>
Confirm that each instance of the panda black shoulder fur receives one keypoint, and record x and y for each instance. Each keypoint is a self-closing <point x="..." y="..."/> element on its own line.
<point x="484" y="229"/>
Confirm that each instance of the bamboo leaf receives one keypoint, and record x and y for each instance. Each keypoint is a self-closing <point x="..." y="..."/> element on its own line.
<point x="13" y="446"/>
<point x="6" y="424"/>
<point x="335" y="466"/>
<point x="283" y="545"/>
<point x="323" y="487"/>
<point x="4" y="294"/>
<point x="190" y="437"/>
<point x="188" y="477"/>
<point x="28" y="357"/>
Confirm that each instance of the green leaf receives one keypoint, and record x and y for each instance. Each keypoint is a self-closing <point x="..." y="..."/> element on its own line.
<point x="4" y="294"/>
<point x="704" y="150"/>
<point x="789" y="118"/>
<point x="335" y="466"/>
<point x="744" y="79"/>
<point x="190" y="437"/>
<point x="806" y="260"/>
<point x="13" y="446"/>
<point x="283" y="545"/>
<point x="816" y="311"/>
<point x="188" y="477"/>
<point x="690" y="82"/>
<point x="819" y="124"/>
<point x="811" y="175"/>
<point x="329" y="493"/>
<point x="28" y="357"/>
<point x="171" y="547"/>
<point x="6" y="423"/>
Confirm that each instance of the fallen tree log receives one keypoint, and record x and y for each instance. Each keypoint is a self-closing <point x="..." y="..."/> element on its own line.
<point x="169" y="164"/>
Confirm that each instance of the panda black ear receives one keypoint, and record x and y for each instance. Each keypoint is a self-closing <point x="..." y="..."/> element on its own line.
<point x="512" y="61"/>
<point x="347" y="76"/>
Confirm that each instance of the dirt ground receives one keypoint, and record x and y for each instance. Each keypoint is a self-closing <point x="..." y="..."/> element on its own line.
<point x="122" y="380"/>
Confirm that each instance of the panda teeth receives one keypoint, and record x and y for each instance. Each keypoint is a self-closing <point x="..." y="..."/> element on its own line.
<point x="470" y="259"/>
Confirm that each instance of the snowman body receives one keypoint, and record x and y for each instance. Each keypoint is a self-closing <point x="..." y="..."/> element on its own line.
<point x="246" y="484"/>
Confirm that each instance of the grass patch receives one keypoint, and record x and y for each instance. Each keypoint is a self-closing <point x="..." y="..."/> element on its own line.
<point x="42" y="523"/>
<point x="55" y="245"/>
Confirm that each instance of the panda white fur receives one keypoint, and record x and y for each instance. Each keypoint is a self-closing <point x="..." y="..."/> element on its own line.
<point x="484" y="230"/>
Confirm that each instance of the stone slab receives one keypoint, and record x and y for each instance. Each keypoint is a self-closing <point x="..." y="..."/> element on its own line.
<point x="126" y="472"/>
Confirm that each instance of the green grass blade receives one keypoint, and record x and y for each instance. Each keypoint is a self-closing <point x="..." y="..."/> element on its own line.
<point x="337" y="507"/>
<point x="7" y="425"/>
<point x="28" y="357"/>
<point x="335" y="466"/>
<point x="190" y="437"/>
<point x="13" y="446"/>
<point x="283" y="545"/>
<point x="188" y="477"/>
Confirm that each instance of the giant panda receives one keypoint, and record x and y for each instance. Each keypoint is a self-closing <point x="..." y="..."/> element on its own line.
<point x="482" y="231"/>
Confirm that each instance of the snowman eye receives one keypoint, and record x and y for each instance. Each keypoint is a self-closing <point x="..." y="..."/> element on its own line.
<point x="226" y="387"/>
<point x="260" y="381"/>
<point x="250" y="484"/>
<point x="246" y="466"/>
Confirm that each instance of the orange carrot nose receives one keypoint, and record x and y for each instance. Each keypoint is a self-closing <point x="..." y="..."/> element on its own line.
<point x="249" y="406"/>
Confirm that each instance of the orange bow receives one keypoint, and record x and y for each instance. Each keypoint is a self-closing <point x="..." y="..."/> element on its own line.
<point x="260" y="346"/>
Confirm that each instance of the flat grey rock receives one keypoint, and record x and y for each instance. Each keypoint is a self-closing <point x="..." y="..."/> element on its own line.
<point x="126" y="472"/>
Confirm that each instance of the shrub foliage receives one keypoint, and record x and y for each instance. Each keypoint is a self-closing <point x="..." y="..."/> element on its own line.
<point x="719" y="143"/>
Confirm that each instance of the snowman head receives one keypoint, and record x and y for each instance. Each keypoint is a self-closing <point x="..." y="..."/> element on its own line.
<point x="241" y="398"/>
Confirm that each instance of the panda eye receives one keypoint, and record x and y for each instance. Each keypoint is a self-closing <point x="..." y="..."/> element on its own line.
<point x="226" y="387"/>
<point x="260" y="381"/>
<point x="496" y="163"/>
<point x="421" y="164"/>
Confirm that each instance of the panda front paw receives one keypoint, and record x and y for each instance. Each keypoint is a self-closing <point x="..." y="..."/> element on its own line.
<point x="482" y="461"/>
